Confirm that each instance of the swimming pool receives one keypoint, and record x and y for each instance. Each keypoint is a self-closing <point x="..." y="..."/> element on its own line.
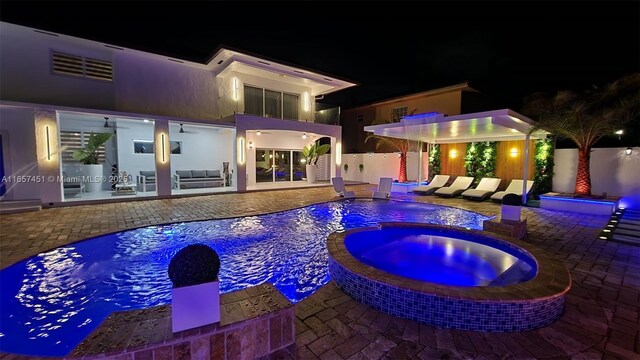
<point x="50" y="302"/>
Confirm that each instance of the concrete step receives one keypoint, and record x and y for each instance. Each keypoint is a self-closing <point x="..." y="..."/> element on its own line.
<point x="18" y="206"/>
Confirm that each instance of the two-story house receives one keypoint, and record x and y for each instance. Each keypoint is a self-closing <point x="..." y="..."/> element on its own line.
<point x="233" y="123"/>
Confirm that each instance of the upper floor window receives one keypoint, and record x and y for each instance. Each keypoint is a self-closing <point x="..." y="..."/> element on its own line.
<point x="270" y="103"/>
<point x="81" y="66"/>
<point x="398" y="113"/>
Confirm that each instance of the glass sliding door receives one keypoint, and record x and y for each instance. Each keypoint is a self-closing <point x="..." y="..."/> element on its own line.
<point x="264" y="165"/>
<point x="282" y="165"/>
<point x="299" y="168"/>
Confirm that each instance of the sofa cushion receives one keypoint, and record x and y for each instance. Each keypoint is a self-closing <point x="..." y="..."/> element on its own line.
<point x="184" y="174"/>
<point x="213" y="173"/>
<point x="148" y="174"/>
<point x="198" y="173"/>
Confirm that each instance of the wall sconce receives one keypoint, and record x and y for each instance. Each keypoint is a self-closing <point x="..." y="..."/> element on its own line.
<point x="305" y="101"/>
<point x="628" y="151"/>
<point x="338" y="153"/>
<point x="513" y="152"/>
<point x="241" y="151"/>
<point x="258" y="132"/>
<point x="304" y="135"/>
<point x="236" y="94"/>
<point x="46" y="130"/>
<point x="106" y="122"/>
<point x="250" y="144"/>
<point x="453" y="153"/>
<point x="162" y="142"/>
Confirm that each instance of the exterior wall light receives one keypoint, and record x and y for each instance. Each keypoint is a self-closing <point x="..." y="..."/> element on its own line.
<point x="47" y="136"/>
<point x="236" y="90"/>
<point x="338" y="153"/>
<point x="241" y="151"/>
<point x="304" y="135"/>
<point x="250" y="144"/>
<point x="628" y="151"/>
<point x="305" y="101"/>
<point x="513" y="152"/>
<point x="258" y="132"/>
<point x="453" y="153"/>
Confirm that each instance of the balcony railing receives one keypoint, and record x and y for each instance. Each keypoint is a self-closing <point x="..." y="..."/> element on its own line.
<point x="327" y="114"/>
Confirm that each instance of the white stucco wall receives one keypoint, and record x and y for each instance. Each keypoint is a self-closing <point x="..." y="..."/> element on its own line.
<point x="25" y="70"/>
<point x="17" y="128"/>
<point x="203" y="147"/>
<point x="229" y="106"/>
<point x="612" y="171"/>
<point x="377" y="165"/>
<point x="128" y="160"/>
<point x="162" y="87"/>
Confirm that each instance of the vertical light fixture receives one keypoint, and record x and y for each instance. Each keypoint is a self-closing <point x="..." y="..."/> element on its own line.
<point x="241" y="150"/>
<point x="338" y="153"/>
<point x="162" y="142"/>
<point x="235" y="89"/>
<point x="305" y="101"/>
<point x="46" y="129"/>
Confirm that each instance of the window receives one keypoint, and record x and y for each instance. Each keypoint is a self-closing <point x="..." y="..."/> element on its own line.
<point x="273" y="104"/>
<point x="398" y="113"/>
<point x="270" y="103"/>
<point x="146" y="147"/>
<point x="81" y="66"/>
<point x="253" y="100"/>
<point x="290" y="106"/>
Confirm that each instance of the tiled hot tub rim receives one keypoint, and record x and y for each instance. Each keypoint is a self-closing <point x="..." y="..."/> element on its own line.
<point x="519" y="307"/>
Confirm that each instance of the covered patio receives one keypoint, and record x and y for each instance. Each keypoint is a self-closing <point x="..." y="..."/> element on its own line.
<point x="432" y="128"/>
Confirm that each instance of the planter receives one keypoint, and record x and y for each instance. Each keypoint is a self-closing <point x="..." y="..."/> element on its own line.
<point x="311" y="173"/>
<point x="93" y="177"/>
<point x="195" y="306"/>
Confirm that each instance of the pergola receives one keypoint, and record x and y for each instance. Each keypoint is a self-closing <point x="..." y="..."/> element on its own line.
<point x="436" y="128"/>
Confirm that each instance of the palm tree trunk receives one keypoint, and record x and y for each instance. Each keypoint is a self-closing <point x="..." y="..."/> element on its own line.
<point x="402" y="176"/>
<point x="583" y="175"/>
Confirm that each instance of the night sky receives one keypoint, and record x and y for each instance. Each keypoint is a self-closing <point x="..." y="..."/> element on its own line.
<point x="506" y="50"/>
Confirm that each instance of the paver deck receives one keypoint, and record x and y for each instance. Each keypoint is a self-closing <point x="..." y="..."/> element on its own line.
<point x="601" y="320"/>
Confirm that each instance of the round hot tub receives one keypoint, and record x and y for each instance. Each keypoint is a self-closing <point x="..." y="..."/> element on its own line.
<point x="449" y="277"/>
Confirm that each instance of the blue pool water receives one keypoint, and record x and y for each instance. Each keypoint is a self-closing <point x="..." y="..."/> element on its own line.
<point x="50" y="302"/>
<point x="426" y="255"/>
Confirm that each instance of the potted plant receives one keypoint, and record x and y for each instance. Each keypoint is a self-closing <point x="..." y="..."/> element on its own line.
<point x="195" y="296"/>
<point x="88" y="156"/>
<point x="311" y="154"/>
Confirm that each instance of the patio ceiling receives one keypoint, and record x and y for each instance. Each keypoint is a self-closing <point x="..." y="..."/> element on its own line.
<point x="435" y="128"/>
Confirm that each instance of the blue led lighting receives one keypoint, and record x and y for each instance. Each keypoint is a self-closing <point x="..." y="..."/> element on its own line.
<point x="416" y="116"/>
<point x="554" y="198"/>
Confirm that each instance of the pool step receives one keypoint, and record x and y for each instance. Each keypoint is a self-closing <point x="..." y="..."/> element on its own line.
<point x="513" y="275"/>
<point x="19" y="206"/>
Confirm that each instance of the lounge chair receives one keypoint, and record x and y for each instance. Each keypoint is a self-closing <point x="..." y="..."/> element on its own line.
<point x="460" y="184"/>
<point x="485" y="188"/>
<point x="384" y="189"/>
<point x="436" y="183"/>
<point x="338" y="186"/>
<point x="515" y="187"/>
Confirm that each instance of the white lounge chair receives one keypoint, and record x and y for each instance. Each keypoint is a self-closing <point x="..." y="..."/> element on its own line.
<point x="436" y="183"/>
<point x="515" y="187"/>
<point x="338" y="186"/>
<point x="485" y="188"/>
<point x="460" y="184"/>
<point x="384" y="189"/>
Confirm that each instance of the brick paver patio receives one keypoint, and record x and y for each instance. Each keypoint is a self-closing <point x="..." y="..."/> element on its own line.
<point x="601" y="320"/>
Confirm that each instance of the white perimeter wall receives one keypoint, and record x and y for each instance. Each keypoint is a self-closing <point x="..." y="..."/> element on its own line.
<point x="379" y="165"/>
<point x="17" y="128"/>
<point x="612" y="171"/>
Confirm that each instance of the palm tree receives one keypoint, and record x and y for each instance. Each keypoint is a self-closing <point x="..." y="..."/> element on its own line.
<point x="586" y="117"/>
<point x="401" y="145"/>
